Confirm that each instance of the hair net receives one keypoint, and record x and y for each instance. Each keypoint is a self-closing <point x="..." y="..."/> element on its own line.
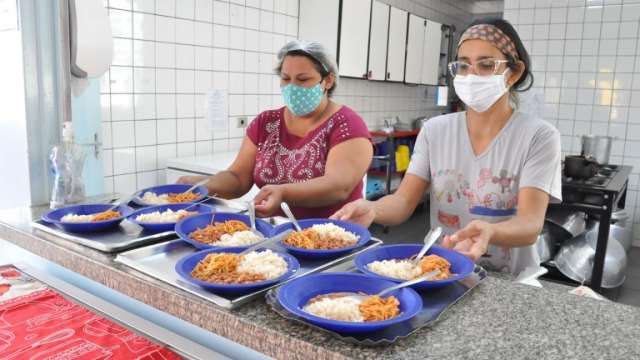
<point x="314" y="50"/>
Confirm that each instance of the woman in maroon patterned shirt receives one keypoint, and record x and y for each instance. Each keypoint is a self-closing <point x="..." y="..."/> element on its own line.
<point x="312" y="153"/>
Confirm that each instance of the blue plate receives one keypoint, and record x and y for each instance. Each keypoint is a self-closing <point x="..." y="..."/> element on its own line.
<point x="294" y="295"/>
<point x="202" y="191"/>
<point x="361" y="232"/>
<point x="187" y="263"/>
<point x="186" y="226"/>
<point x="461" y="266"/>
<point x="54" y="217"/>
<point x="167" y="226"/>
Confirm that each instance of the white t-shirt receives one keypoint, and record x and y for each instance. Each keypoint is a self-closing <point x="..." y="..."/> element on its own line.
<point x="465" y="187"/>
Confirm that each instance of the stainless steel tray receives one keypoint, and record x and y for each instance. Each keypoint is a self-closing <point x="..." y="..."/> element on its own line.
<point x="435" y="303"/>
<point x="124" y="237"/>
<point x="224" y="205"/>
<point x="158" y="261"/>
<point x="175" y="342"/>
<point x="128" y="235"/>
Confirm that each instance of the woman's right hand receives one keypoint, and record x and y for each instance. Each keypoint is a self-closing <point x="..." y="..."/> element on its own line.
<point x="360" y="212"/>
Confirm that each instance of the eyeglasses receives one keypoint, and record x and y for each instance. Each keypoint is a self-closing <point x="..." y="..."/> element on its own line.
<point x="485" y="67"/>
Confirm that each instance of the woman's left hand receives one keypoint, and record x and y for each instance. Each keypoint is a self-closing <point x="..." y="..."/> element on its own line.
<point x="471" y="241"/>
<point x="268" y="200"/>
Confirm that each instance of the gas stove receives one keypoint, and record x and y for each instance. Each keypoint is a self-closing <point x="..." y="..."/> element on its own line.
<point x="598" y="197"/>
<point x="601" y="179"/>
<point x="608" y="180"/>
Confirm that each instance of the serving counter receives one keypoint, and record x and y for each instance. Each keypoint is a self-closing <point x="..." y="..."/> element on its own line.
<point x="497" y="320"/>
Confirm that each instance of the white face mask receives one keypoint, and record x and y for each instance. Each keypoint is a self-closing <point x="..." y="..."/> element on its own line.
<point x="480" y="92"/>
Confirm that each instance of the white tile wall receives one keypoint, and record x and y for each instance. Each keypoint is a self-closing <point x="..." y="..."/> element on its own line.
<point x="168" y="53"/>
<point x="592" y="78"/>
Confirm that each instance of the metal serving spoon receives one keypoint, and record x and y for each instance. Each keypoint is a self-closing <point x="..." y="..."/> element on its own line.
<point x="122" y="202"/>
<point x="252" y="219"/>
<point x="430" y="239"/>
<point x="199" y="183"/>
<point x="287" y="211"/>
<point x="362" y="297"/>
<point x="271" y="240"/>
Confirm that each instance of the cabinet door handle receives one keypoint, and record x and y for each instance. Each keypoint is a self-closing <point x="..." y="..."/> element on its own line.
<point x="388" y="75"/>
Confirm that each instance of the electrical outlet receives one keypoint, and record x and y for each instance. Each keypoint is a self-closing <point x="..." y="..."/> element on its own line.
<point x="241" y="122"/>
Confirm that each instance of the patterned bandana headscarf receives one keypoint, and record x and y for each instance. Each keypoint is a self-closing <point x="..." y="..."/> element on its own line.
<point x="493" y="35"/>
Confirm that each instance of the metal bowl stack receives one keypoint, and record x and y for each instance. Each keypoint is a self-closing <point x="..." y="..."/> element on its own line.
<point x="560" y="226"/>
<point x="576" y="257"/>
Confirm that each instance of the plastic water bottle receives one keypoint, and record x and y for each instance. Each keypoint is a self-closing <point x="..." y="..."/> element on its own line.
<point x="67" y="161"/>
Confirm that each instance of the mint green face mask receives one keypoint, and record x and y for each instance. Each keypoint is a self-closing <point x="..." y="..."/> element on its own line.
<point x="301" y="100"/>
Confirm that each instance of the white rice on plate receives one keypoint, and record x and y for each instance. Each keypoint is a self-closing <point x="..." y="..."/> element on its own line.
<point x="266" y="263"/>
<point x="150" y="197"/>
<point x="399" y="269"/>
<point x="74" y="218"/>
<point x="167" y="216"/>
<point x="238" y="238"/>
<point x="334" y="231"/>
<point x="341" y="308"/>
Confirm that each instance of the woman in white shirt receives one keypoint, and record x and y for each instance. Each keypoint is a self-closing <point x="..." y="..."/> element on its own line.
<point x="491" y="170"/>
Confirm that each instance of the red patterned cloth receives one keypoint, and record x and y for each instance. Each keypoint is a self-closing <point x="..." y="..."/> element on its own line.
<point x="41" y="324"/>
<point x="284" y="158"/>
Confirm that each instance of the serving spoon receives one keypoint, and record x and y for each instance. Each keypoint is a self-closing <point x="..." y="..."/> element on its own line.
<point x="287" y="211"/>
<point x="283" y="235"/>
<point x="430" y="239"/>
<point x="252" y="219"/>
<point x="199" y="202"/>
<point x="362" y="297"/>
<point x="199" y="183"/>
<point x="122" y="202"/>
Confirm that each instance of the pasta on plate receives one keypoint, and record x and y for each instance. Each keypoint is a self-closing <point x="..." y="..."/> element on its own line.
<point x="229" y="268"/>
<point x="321" y="237"/>
<point x="405" y="270"/>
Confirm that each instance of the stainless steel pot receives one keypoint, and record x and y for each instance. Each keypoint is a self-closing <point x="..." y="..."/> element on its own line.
<point x="575" y="260"/>
<point x="620" y="217"/>
<point x="597" y="147"/>
<point x="574" y="223"/>
<point x="547" y="243"/>
<point x="623" y="235"/>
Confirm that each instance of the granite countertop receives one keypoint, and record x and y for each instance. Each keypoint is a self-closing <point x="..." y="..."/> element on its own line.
<point x="497" y="320"/>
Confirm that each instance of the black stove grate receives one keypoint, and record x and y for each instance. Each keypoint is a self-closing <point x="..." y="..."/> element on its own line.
<point x="602" y="180"/>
